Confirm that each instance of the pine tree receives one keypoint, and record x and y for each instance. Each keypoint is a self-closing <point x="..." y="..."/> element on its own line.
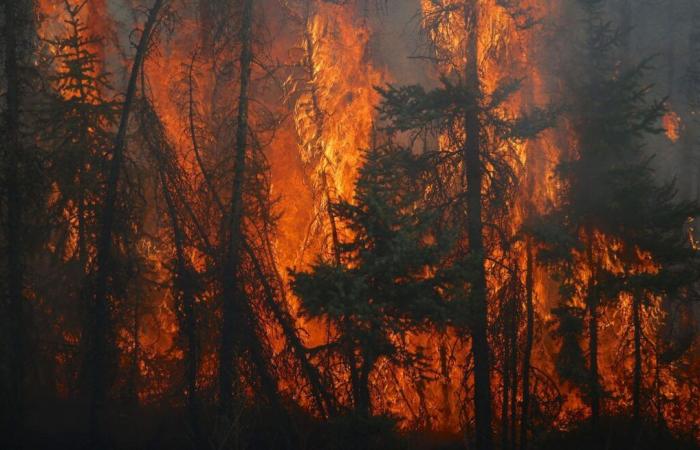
<point x="387" y="280"/>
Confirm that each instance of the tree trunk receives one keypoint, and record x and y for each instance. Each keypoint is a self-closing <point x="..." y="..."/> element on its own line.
<point x="364" y="404"/>
<point x="445" y="387"/>
<point x="13" y="221"/>
<point x="232" y="290"/>
<point x="324" y="402"/>
<point x="473" y="172"/>
<point x="100" y="313"/>
<point x="185" y="292"/>
<point x="527" y="355"/>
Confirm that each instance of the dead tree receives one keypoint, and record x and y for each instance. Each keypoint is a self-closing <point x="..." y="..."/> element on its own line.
<point x="100" y="313"/>
<point x="478" y="298"/>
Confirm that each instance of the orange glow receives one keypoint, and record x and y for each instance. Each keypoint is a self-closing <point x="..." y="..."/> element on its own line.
<point x="323" y="113"/>
<point x="672" y="124"/>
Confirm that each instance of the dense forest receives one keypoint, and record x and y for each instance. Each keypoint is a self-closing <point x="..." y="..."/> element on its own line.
<point x="350" y="224"/>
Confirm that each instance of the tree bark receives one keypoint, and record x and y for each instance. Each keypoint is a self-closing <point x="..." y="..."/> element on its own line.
<point x="100" y="314"/>
<point x="473" y="173"/>
<point x="232" y="295"/>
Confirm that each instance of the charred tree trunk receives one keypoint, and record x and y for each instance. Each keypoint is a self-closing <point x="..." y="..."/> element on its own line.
<point x="184" y="288"/>
<point x="527" y="354"/>
<point x="354" y="375"/>
<point x="232" y="295"/>
<point x="13" y="220"/>
<point x="364" y="401"/>
<point x="445" y="381"/>
<point x="324" y="403"/>
<point x="187" y="322"/>
<point x="100" y="313"/>
<point x="473" y="171"/>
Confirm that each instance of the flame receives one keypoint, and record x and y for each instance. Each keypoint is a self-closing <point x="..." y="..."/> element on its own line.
<point x="672" y="125"/>
<point x="314" y="158"/>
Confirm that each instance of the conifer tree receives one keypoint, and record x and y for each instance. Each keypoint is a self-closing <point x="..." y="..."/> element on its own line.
<point x="480" y="147"/>
<point x="612" y="211"/>
<point x="80" y="133"/>
<point x="387" y="280"/>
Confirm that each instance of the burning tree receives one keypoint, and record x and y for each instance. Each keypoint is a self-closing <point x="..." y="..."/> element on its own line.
<point x="617" y="239"/>
<point x="387" y="278"/>
<point x="339" y="224"/>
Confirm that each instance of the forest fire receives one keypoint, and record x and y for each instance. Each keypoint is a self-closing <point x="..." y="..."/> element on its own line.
<point x="266" y="224"/>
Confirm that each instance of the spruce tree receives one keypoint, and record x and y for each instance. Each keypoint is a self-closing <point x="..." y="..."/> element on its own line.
<point x="80" y="133"/>
<point x="387" y="281"/>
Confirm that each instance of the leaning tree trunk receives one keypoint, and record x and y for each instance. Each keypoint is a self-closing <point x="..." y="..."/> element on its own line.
<point x="321" y="396"/>
<point x="183" y="280"/>
<point x="100" y="313"/>
<point x="473" y="172"/>
<point x="13" y="221"/>
<point x="232" y="294"/>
